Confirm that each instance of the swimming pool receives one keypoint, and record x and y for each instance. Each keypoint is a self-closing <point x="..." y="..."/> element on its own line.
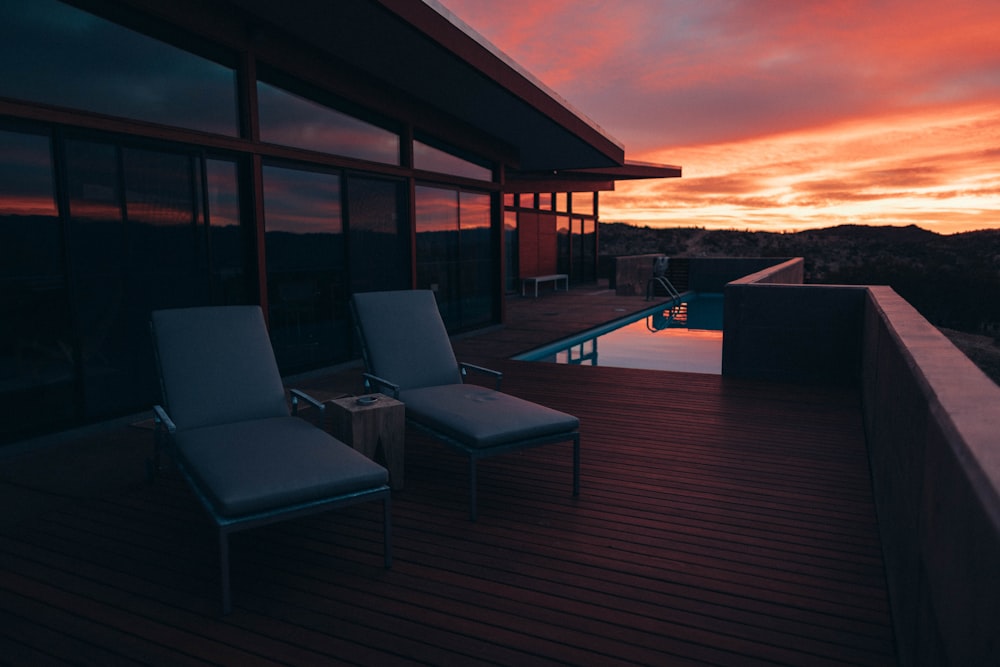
<point x="685" y="335"/>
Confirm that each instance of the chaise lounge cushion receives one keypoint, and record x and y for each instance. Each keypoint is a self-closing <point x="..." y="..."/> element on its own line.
<point x="217" y="366"/>
<point x="407" y="342"/>
<point x="263" y="464"/>
<point x="480" y="417"/>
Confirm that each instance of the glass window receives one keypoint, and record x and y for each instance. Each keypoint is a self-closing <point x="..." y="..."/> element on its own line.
<point x="379" y="243"/>
<point x="588" y="253"/>
<point x="306" y="280"/>
<point x="437" y="248"/>
<point x="227" y="241"/>
<point x="291" y="120"/>
<point x="583" y="203"/>
<point x="455" y="256"/>
<point x="163" y="215"/>
<point x="510" y="240"/>
<point x="36" y="360"/>
<point x="477" y="259"/>
<point x="137" y="243"/>
<point x="96" y="235"/>
<point x="66" y="57"/>
<point x="429" y="158"/>
<point x="78" y="287"/>
<point x="509" y="199"/>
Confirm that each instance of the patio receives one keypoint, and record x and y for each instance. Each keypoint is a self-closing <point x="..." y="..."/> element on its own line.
<point x="720" y="521"/>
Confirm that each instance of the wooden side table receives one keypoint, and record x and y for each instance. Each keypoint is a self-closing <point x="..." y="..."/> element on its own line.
<point x="375" y="429"/>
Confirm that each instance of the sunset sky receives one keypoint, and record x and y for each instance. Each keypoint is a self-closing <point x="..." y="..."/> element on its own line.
<point x="784" y="114"/>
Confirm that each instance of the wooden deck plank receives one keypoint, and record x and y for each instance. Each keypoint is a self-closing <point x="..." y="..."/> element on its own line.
<point x="720" y="522"/>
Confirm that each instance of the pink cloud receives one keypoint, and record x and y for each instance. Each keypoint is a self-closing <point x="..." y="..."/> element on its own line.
<point x="755" y="98"/>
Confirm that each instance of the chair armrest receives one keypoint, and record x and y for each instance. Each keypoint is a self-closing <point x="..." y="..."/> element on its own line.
<point x="162" y="420"/>
<point x="372" y="381"/>
<point x="299" y="394"/>
<point x="481" y="369"/>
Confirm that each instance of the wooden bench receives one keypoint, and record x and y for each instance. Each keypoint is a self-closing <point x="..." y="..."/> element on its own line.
<point x="552" y="278"/>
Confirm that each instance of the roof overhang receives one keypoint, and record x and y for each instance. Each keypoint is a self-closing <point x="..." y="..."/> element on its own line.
<point x="587" y="179"/>
<point x="422" y="49"/>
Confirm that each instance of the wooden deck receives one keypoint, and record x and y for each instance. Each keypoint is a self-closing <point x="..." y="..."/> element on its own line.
<point x="720" y="522"/>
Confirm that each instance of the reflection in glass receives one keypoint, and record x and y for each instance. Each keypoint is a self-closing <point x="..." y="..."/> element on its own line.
<point x="510" y="250"/>
<point x="583" y="203"/>
<point x="437" y="248"/>
<point x="291" y="120"/>
<point x="380" y="250"/>
<point x="576" y="248"/>
<point x="227" y="242"/>
<point x="36" y="362"/>
<point x="137" y="243"/>
<point x="588" y="251"/>
<point x="306" y="281"/>
<point x="97" y="248"/>
<point x="70" y="58"/>
<point x="163" y="213"/>
<point x="476" y="275"/>
<point x="454" y="254"/>
<point x="429" y="158"/>
<point x="77" y="291"/>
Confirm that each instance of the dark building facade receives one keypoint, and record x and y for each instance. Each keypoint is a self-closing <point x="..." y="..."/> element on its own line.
<point x="157" y="155"/>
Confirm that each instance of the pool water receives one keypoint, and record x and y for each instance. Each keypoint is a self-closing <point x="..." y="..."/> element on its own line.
<point x="684" y="336"/>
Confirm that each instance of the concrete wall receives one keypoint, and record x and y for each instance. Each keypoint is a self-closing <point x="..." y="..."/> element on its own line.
<point x="933" y="425"/>
<point x="932" y="422"/>
<point x="802" y="333"/>
<point x="712" y="274"/>
<point x="778" y="329"/>
<point x="629" y="275"/>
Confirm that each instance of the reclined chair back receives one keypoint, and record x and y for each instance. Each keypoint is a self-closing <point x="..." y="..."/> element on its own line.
<point x="405" y="343"/>
<point x="396" y="324"/>
<point x="233" y="437"/>
<point x="217" y="366"/>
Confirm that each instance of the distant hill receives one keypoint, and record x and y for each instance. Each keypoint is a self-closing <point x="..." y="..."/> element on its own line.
<point x="952" y="280"/>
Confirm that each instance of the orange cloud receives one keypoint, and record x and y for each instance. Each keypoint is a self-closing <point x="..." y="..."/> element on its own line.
<point x="935" y="169"/>
<point x="783" y="114"/>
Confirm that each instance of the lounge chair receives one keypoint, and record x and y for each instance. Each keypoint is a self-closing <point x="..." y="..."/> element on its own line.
<point x="226" y="421"/>
<point x="408" y="355"/>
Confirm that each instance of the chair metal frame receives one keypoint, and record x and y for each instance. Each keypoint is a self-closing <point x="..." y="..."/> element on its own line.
<point x="164" y="430"/>
<point x="474" y="454"/>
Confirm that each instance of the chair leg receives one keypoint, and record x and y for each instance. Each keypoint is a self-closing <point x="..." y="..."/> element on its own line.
<point x="387" y="530"/>
<point x="576" y="464"/>
<point x="227" y="605"/>
<point x="472" y="488"/>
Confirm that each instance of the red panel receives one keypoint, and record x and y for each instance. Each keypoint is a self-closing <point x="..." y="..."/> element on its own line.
<point x="527" y="240"/>
<point x="547" y="246"/>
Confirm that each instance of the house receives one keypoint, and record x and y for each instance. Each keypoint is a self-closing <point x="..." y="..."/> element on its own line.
<point x="291" y="153"/>
<point x="287" y="154"/>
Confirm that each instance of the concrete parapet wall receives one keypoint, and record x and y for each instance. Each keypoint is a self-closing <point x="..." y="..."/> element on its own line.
<point x="712" y="274"/>
<point x="803" y="333"/>
<point x="933" y="426"/>
<point x="932" y="422"/>
<point x="629" y="275"/>
<point x="776" y="328"/>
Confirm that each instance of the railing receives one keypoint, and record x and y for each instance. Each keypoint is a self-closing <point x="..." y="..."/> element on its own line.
<point x="663" y="282"/>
